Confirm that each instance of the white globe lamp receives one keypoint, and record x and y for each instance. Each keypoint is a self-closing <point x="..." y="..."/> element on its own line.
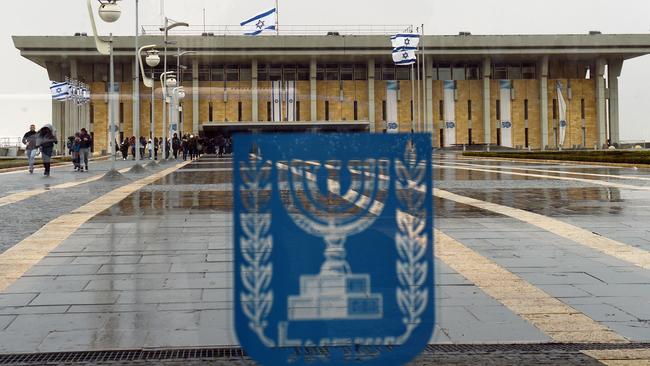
<point x="170" y="82"/>
<point x="153" y="59"/>
<point x="110" y="12"/>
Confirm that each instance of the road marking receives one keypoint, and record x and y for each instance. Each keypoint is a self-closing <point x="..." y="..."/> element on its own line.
<point x="640" y="356"/>
<point x="21" y="257"/>
<point x="20" y="196"/>
<point x="613" y="248"/>
<point x="590" y="181"/>
<point x="559" y="321"/>
<point x="628" y="177"/>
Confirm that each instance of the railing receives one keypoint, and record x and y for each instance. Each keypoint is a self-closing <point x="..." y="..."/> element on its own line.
<point x="293" y="30"/>
<point x="11" y="142"/>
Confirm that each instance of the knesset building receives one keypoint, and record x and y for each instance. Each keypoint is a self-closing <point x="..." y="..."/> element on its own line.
<point x="340" y="85"/>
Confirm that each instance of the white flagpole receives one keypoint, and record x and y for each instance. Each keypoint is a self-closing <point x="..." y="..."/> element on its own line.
<point x="413" y="99"/>
<point x="419" y="106"/>
<point x="277" y="17"/>
<point x="424" y="81"/>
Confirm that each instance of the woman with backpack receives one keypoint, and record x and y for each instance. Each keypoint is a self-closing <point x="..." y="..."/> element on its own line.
<point x="45" y="140"/>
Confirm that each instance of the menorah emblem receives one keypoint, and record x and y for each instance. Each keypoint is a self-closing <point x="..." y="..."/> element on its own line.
<point x="334" y="209"/>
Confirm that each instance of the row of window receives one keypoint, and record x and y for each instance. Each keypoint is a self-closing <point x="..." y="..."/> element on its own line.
<point x="470" y="141"/>
<point x="441" y="109"/>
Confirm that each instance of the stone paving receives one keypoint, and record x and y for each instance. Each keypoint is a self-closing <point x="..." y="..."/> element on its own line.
<point x="154" y="269"/>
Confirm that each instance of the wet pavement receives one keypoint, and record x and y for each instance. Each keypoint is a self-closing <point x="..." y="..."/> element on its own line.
<point x="153" y="270"/>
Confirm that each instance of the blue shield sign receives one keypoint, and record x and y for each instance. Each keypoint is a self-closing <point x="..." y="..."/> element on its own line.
<point x="333" y="247"/>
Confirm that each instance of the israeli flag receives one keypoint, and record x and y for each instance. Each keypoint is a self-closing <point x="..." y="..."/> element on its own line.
<point x="404" y="56"/>
<point x="408" y="40"/>
<point x="260" y="23"/>
<point x="60" y="91"/>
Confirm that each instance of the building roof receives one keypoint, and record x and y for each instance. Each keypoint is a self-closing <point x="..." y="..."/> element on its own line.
<point x="293" y="47"/>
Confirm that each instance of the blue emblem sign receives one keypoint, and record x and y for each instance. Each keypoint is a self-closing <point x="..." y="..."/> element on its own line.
<point x="563" y="123"/>
<point x="450" y="124"/>
<point x="506" y="124"/>
<point x="333" y="248"/>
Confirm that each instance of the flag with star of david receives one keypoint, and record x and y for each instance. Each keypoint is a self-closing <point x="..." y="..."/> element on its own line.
<point x="404" y="56"/>
<point x="60" y="91"/>
<point x="260" y="23"/>
<point x="409" y="40"/>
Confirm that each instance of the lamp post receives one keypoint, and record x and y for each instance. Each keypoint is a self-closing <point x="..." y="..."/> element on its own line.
<point x="166" y="82"/>
<point x="178" y="94"/>
<point x="180" y="78"/>
<point x="152" y="60"/>
<point x="110" y="12"/>
<point x="166" y="28"/>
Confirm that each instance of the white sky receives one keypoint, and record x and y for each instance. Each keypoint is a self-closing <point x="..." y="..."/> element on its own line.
<point x="24" y="91"/>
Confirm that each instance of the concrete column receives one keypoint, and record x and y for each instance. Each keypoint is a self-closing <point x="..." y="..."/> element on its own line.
<point x="543" y="101"/>
<point x="254" y="92"/>
<point x="601" y="111"/>
<point x="614" y="68"/>
<point x="136" y="104"/>
<point x="428" y="119"/>
<point x="371" y="95"/>
<point x="196" y="95"/>
<point x="487" y="75"/>
<point x="313" y="91"/>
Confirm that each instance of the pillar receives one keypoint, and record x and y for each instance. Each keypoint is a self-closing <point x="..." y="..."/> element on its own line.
<point x="254" y="92"/>
<point x="313" y="91"/>
<point x="487" y="76"/>
<point x="428" y="124"/>
<point x="196" y="95"/>
<point x="601" y="117"/>
<point x="543" y="101"/>
<point x="371" y="95"/>
<point x="136" y="103"/>
<point x="614" y="68"/>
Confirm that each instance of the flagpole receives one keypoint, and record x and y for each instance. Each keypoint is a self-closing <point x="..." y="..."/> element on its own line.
<point x="424" y="81"/>
<point x="277" y="17"/>
<point x="417" y="61"/>
<point x="412" y="98"/>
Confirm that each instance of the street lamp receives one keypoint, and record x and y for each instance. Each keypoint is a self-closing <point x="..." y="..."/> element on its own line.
<point x="166" y="82"/>
<point x="178" y="71"/>
<point x="110" y="12"/>
<point x="152" y="60"/>
<point x="178" y="94"/>
<point x="168" y="26"/>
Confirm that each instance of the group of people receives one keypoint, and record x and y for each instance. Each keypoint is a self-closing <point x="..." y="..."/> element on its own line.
<point x="79" y="147"/>
<point x="43" y="141"/>
<point x="187" y="146"/>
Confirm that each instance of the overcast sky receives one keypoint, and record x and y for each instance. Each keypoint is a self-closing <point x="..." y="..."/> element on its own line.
<point x="24" y="91"/>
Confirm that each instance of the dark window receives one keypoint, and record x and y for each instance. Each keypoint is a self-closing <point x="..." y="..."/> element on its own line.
<point x="239" y="111"/>
<point x="216" y="73"/>
<point x="469" y="110"/>
<point x="347" y="72"/>
<point x="297" y="110"/>
<point x="441" y="106"/>
<point x="275" y="73"/>
<point x="473" y="72"/>
<point x="526" y="109"/>
<point x="303" y="72"/>
<point x="92" y="112"/>
<point x="262" y="72"/>
<point x="388" y="72"/>
<point x="245" y="73"/>
<point x="332" y="72"/>
<point x="458" y="72"/>
<point x="378" y="72"/>
<point x="526" y="136"/>
<point x="121" y="113"/>
<point x="469" y="136"/>
<point x="554" y="108"/>
<point x="289" y="73"/>
<point x="356" y="111"/>
<point x="444" y="72"/>
<point x="582" y="108"/>
<point x="210" y="111"/>
<point x="383" y="110"/>
<point x="514" y="71"/>
<point x="411" y="109"/>
<point x="442" y="137"/>
<point x="403" y="73"/>
<point x="528" y="71"/>
<point x="268" y="111"/>
<point x="320" y="72"/>
<point x="360" y="72"/>
<point x="498" y="110"/>
<point x="327" y="110"/>
<point x="498" y="136"/>
<point x="500" y="71"/>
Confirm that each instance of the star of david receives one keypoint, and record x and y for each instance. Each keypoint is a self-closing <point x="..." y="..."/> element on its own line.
<point x="405" y="55"/>
<point x="260" y="24"/>
<point x="407" y="41"/>
<point x="275" y="101"/>
<point x="290" y="100"/>
<point x="58" y="90"/>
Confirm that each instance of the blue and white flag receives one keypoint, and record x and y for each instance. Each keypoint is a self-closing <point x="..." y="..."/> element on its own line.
<point x="562" y="113"/>
<point x="60" y="91"/>
<point x="404" y="56"/>
<point x="260" y="23"/>
<point x="407" y="40"/>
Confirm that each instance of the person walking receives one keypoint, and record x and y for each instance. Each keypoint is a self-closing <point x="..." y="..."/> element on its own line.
<point x="85" y="144"/>
<point x="45" y="140"/>
<point x="150" y="149"/>
<point x="76" y="156"/>
<point x="156" y="143"/>
<point x="132" y="143"/>
<point x="142" y="146"/>
<point x="176" y="145"/>
<point x="29" y="139"/>
<point x="124" y="148"/>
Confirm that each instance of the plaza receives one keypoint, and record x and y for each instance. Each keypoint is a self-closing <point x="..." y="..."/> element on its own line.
<point x="527" y="255"/>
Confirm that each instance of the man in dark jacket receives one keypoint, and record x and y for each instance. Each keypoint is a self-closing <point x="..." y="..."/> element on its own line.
<point x="45" y="140"/>
<point x="29" y="139"/>
<point x="86" y="142"/>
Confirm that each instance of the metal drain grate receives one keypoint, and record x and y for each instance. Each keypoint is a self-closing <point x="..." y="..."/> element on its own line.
<point x="224" y="354"/>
